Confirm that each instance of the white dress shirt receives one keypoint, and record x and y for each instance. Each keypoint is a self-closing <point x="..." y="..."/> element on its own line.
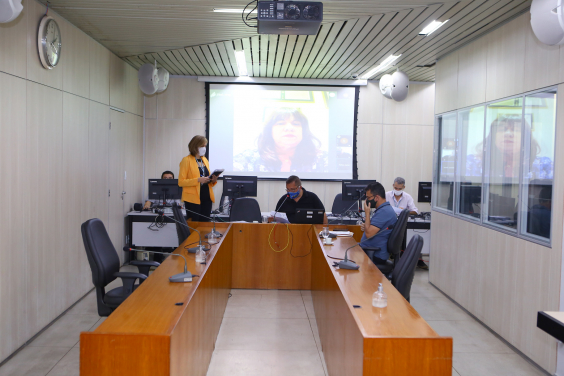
<point x="405" y="202"/>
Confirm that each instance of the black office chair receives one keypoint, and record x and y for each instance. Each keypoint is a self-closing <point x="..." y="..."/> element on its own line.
<point x="245" y="209"/>
<point x="182" y="232"/>
<point x="340" y="206"/>
<point x="402" y="276"/>
<point x="104" y="263"/>
<point x="394" y="245"/>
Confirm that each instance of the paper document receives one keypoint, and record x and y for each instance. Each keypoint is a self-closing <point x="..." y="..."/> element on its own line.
<point x="279" y="217"/>
<point x="341" y="233"/>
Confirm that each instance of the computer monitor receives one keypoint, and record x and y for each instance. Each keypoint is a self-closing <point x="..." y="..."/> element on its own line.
<point x="353" y="190"/>
<point x="164" y="189"/>
<point x="469" y="195"/>
<point x="424" y="192"/>
<point x="309" y="216"/>
<point x="239" y="186"/>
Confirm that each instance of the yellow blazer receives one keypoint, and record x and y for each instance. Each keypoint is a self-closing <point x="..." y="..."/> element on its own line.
<point x="188" y="179"/>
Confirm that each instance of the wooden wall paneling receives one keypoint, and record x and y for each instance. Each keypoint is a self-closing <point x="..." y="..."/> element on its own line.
<point x="117" y="82"/>
<point x="35" y="71"/>
<point x="319" y="41"/>
<point x="263" y="54"/>
<point x="506" y="60"/>
<point x="133" y="168"/>
<point x="14" y="319"/>
<point x="327" y="43"/>
<point x="272" y="45"/>
<point x="184" y="99"/>
<point x="542" y="62"/>
<point x="150" y="106"/>
<point x="99" y="72"/>
<point x="255" y="54"/>
<point x="290" y="43"/>
<point x="446" y="83"/>
<point x="472" y="73"/>
<point x="13" y="38"/>
<point x="417" y="108"/>
<point x="45" y="248"/>
<point x="133" y="96"/>
<point x="370" y="102"/>
<point x="369" y="155"/>
<point x="76" y="184"/>
<point x="117" y="152"/>
<point x="76" y="75"/>
<point x="98" y="165"/>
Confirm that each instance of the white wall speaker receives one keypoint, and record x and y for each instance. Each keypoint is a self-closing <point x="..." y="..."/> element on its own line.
<point x="10" y="10"/>
<point x="148" y="79"/>
<point x="163" y="79"/>
<point x="547" y="21"/>
<point x="386" y="85"/>
<point x="400" y="83"/>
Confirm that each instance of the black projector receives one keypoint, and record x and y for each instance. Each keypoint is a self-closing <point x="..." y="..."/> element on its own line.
<point x="289" y="17"/>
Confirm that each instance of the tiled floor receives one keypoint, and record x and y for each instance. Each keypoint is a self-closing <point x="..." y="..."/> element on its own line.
<point x="273" y="332"/>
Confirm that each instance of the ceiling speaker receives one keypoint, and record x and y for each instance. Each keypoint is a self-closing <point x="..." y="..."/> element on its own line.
<point x="148" y="79"/>
<point x="10" y="10"/>
<point x="163" y="79"/>
<point x="400" y="86"/>
<point x="386" y="85"/>
<point x="547" y="21"/>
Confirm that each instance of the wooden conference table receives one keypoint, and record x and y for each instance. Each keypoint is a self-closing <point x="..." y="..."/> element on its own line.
<point x="170" y="328"/>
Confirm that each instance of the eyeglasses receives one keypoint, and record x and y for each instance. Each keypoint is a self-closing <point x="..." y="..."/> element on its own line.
<point x="293" y="189"/>
<point x="370" y="197"/>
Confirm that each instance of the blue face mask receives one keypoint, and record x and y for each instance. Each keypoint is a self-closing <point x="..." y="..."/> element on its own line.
<point x="294" y="194"/>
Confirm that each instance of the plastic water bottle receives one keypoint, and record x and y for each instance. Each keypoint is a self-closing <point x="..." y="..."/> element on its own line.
<point x="379" y="298"/>
<point x="200" y="256"/>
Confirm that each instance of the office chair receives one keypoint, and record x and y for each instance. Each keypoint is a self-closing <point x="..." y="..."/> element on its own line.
<point x="104" y="263"/>
<point x="402" y="276"/>
<point x="394" y="245"/>
<point x="182" y="232"/>
<point x="245" y="209"/>
<point x="339" y="206"/>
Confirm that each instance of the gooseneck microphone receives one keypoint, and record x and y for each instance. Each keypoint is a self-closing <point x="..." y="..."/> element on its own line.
<point x="213" y="231"/>
<point x="186" y="276"/>
<point x="282" y="204"/>
<point x="346" y="263"/>
<point x="340" y="217"/>
<point x="193" y="249"/>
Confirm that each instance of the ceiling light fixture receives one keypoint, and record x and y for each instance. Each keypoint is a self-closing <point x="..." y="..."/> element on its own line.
<point x="383" y="65"/>
<point x="432" y="27"/>
<point x="241" y="63"/>
<point x="224" y="10"/>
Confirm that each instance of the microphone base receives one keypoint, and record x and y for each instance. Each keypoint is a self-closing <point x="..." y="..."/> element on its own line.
<point x="348" y="265"/>
<point x="181" y="277"/>
<point x="196" y="248"/>
<point x="216" y="233"/>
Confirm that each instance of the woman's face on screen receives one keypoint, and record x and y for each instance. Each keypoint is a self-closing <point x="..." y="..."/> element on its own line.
<point x="508" y="137"/>
<point x="287" y="133"/>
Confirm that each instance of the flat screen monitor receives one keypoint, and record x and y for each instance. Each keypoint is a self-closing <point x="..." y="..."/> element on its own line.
<point x="353" y="190"/>
<point x="239" y="186"/>
<point x="424" y="192"/>
<point x="164" y="189"/>
<point x="309" y="216"/>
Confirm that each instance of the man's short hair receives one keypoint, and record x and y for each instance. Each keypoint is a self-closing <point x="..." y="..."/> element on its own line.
<point x="376" y="189"/>
<point x="294" y="179"/>
<point x="167" y="173"/>
<point x="399" y="180"/>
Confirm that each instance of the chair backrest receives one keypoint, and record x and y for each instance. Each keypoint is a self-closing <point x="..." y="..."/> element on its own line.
<point x="182" y="231"/>
<point x="398" y="233"/>
<point x="340" y="206"/>
<point x="245" y="209"/>
<point x="101" y="254"/>
<point x="402" y="276"/>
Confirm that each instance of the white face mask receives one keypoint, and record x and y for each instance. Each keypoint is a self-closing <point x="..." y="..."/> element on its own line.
<point x="398" y="193"/>
<point x="202" y="151"/>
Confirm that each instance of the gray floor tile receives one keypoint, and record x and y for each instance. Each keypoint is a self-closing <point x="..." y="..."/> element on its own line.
<point x="315" y="330"/>
<point x="305" y="292"/>
<point x="473" y="364"/>
<point x="308" y="302"/>
<point x="77" y="346"/>
<point x="439" y="308"/>
<point x="65" y="332"/>
<point x="266" y="306"/>
<point x="68" y="366"/>
<point x="33" y="361"/>
<point x="425" y="290"/>
<point x="454" y="373"/>
<point x="86" y="306"/>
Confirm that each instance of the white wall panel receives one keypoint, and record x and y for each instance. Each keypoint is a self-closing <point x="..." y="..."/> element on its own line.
<point x="446" y="83"/>
<point x="13" y="38"/>
<point x="417" y="108"/>
<point x="99" y="72"/>
<point x="542" y="62"/>
<point x="76" y="72"/>
<point x="472" y="73"/>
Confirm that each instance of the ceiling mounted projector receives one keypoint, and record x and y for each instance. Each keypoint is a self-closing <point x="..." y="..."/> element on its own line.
<point x="395" y="86"/>
<point x="547" y="21"/>
<point x="289" y="17"/>
<point x="10" y="10"/>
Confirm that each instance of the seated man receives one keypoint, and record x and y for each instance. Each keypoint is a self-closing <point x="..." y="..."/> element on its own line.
<point x="399" y="199"/>
<point x="377" y="227"/>
<point x="165" y="175"/>
<point x="298" y="198"/>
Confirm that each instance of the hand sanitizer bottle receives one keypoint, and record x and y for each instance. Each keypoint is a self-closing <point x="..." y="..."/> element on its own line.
<point x="379" y="298"/>
<point x="200" y="255"/>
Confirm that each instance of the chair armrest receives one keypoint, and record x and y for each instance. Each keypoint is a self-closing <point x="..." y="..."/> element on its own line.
<point x="128" y="279"/>
<point x="371" y="248"/>
<point x="144" y="263"/>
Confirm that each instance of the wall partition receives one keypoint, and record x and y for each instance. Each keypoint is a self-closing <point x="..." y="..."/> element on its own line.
<point x="494" y="164"/>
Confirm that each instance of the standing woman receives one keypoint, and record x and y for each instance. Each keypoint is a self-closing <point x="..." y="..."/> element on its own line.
<point x="194" y="178"/>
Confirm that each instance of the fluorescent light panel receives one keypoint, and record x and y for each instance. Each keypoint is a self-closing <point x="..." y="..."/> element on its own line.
<point x="432" y="27"/>
<point x="383" y="65"/>
<point x="222" y="10"/>
<point x="241" y="63"/>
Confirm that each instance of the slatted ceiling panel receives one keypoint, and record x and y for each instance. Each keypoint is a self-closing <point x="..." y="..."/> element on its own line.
<point x="185" y="60"/>
<point x="156" y="57"/>
<point x="134" y="61"/>
<point x="280" y="49"/>
<point x="202" y="58"/>
<point x="255" y="45"/>
<point x="306" y="52"/>
<point x="272" y="48"/>
<point x="230" y="51"/>
<point x="263" y="54"/>
<point x="407" y="33"/>
<point x="327" y="43"/>
<point x="351" y="36"/>
<point x="248" y="56"/>
<point x="298" y="50"/>
<point x="334" y="45"/>
<point x="207" y="56"/>
<point x="216" y="59"/>
<point x="177" y="69"/>
<point x="194" y="58"/>
<point x="319" y="41"/>
<point x="174" y="61"/>
<point x="288" y="54"/>
<point x="225" y="58"/>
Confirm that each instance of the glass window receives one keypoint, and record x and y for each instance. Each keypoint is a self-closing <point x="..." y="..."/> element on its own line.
<point x="504" y="130"/>
<point x="538" y="168"/>
<point x="470" y="161"/>
<point x="444" y="179"/>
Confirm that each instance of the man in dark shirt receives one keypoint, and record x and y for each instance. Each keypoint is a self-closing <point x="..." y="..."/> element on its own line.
<point x="298" y="198"/>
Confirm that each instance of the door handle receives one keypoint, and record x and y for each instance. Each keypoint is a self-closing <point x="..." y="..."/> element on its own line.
<point x="122" y="194"/>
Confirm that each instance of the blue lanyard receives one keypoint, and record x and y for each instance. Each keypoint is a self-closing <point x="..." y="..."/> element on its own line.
<point x="397" y="203"/>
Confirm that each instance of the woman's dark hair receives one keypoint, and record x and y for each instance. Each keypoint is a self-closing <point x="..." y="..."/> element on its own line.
<point x="306" y="151"/>
<point x="167" y="173"/>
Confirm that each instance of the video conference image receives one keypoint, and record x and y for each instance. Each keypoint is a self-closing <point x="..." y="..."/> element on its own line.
<point x="272" y="131"/>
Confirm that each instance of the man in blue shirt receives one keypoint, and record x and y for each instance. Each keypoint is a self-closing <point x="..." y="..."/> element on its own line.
<point x="377" y="228"/>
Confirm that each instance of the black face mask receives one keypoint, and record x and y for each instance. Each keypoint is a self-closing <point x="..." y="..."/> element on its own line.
<point x="371" y="203"/>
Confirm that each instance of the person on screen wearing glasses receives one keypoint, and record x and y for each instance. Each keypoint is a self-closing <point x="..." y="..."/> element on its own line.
<point x="297" y="198"/>
<point x="196" y="182"/>
<point x="285" y="144"/>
